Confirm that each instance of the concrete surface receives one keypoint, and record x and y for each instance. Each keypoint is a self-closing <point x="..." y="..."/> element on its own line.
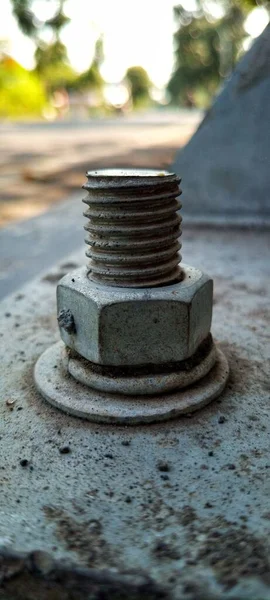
<point x="225" y="166"/>
<point x="185" y="503"/>
<point x="29" y="247"/>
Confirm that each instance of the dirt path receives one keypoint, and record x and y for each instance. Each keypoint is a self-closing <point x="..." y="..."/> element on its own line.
<point x="41" y="164"/>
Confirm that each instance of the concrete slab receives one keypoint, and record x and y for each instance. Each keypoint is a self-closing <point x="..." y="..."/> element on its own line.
<point x="181" y="507"/>
<point x="30" y="246"/>
<point x="225" y="165"/>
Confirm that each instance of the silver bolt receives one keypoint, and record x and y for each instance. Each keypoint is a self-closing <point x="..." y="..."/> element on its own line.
<point x="134" y="227"/>
<point x="136" y="323"/>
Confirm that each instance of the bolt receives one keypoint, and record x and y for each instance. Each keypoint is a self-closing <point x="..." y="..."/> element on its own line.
<point x="133" y="243"/>
<point x="134" y="227"/>
<point x="143" y="349"/>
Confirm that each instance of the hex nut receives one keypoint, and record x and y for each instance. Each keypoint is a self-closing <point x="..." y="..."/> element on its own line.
<point x="127" y="326"/>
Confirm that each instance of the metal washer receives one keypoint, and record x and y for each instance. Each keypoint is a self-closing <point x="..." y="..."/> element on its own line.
<point x="66" y="394"/>
<point x="152" y="384"/>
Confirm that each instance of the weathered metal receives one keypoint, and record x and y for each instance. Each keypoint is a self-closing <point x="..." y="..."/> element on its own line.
<point x="83" y="400"/>
<point x="127" y="326"/>
<point x="134" y="227"/>
<point x="139" y="324"/>
<point x="144" y="380"/>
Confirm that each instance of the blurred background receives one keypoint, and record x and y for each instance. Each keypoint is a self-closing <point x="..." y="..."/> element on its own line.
<point x="91" y="83"/>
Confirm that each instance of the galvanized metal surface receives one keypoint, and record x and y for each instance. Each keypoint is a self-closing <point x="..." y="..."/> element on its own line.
<point x="185" y="502"/>
<point x="140" y="383"/>
<point x="133" y="229"/>
<point x="70" y="395"/>
<point x="116" y="326"/>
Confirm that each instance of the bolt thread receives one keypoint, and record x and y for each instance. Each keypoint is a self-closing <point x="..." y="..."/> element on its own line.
<point x="134" y="228"/>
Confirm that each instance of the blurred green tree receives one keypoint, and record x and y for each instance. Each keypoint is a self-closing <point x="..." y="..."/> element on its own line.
<point x="206" y="49"/>
<point x="31" y="26"/>
<point x="53" y="67"/>
<point x="139" y="84"/>
<point x="91" y="78"/>
<point x="21" y="92"/>
<point x="52" y="63"/>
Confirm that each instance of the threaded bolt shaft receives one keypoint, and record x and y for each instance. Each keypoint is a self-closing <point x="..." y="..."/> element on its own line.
<point x="134" y="228"/>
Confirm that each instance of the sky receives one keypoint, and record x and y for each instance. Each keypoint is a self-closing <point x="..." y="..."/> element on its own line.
<point x="135" y="33"/>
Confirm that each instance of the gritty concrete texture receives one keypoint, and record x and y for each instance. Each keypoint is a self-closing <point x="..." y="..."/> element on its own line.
<point x="184" y="503"/>
<point x="225" y="166"/>
<point x="63" y="392"/>
<point x="120" y="326"/>
<point x="29" y="247"/>
<point x="36" y="576"/>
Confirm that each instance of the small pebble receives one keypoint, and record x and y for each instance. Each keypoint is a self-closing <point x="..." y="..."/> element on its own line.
<point x="163" y="466"/>
<point x="10" y="402"/>
<point x="64" y="450"/>
<point x="24" y="462"/>
<point x="222" y="419"/>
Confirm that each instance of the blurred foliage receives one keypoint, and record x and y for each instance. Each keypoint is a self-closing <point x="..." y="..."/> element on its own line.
<point x="206" y="49"/>
<point x="30" y="25"/>
<point x="250" y="4"/>
<point x="50" y="54"/>
<point x="52" y="63"/>
<point x="91" y="78"/>
<point x="139" y="84"/>
<point x="24" y="16"/>
<point x="52" y="66"/>
<point x="88" y="80"/>
<point x="21" y="92"/>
